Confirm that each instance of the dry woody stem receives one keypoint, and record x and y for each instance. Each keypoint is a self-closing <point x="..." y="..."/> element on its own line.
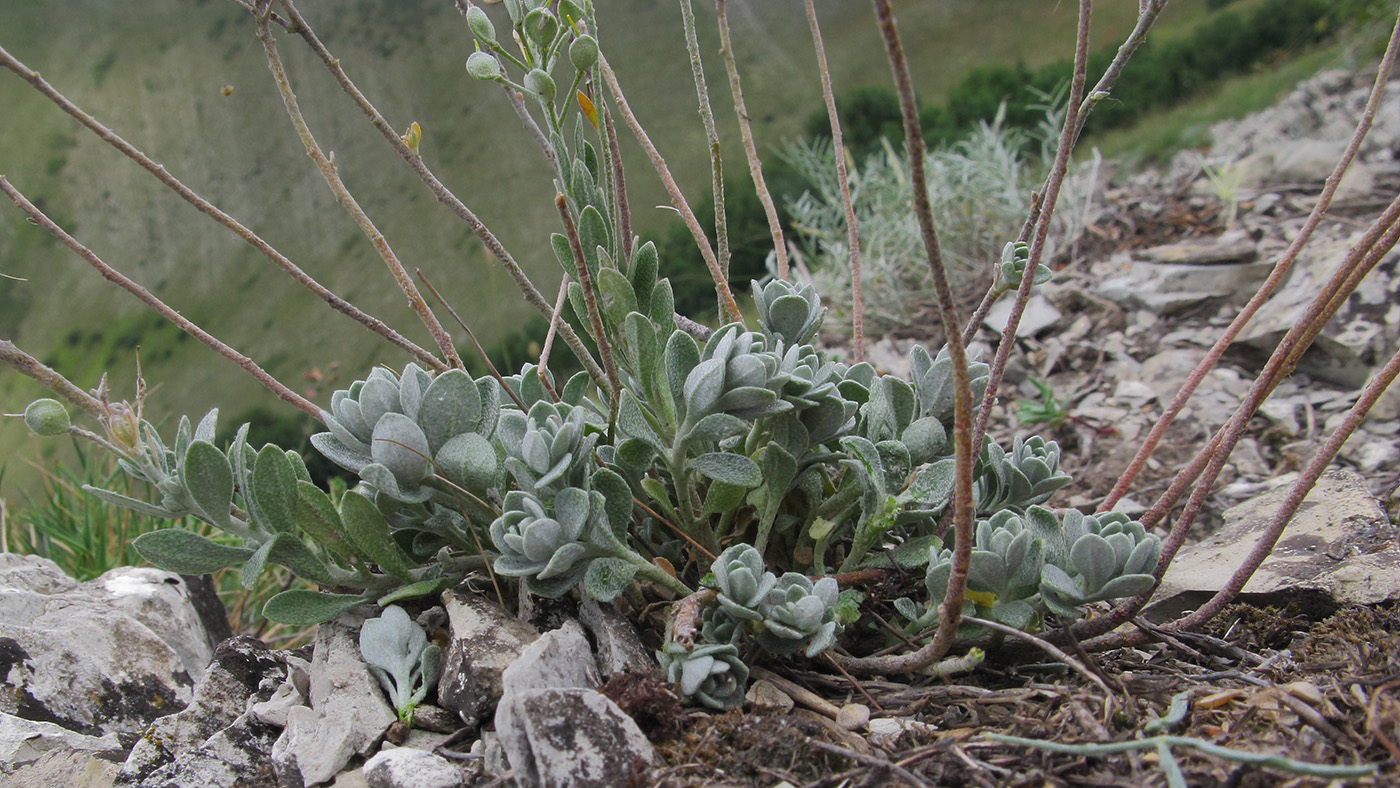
<point x="204" y="206"/>
<point x="775" y="227"/>
<point x="838" y="151"/>
<point x="347" y="200"/>
<point x="726" y="296"/>
<point x="951" y="609"/>
<point x="113" y="275"/>
<point x="298" y="26"/>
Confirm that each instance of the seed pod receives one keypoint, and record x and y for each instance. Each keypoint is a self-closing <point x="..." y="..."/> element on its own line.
<point x="46" y="418"/>
<point x="583" y="53"/>
<point x="483" y="66"/>
<point x="480" y="24"/>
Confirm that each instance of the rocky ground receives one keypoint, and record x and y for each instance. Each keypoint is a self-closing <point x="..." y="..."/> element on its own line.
<point x="120" y="679"/>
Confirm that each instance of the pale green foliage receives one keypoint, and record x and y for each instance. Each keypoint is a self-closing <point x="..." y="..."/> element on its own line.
<point x="712" y="674"/>
<point x="399" y="655"/>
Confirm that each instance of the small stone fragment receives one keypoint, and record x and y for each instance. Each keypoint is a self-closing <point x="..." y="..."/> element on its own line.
<point x="853" y="716"/>
<point x="403" y="767"/>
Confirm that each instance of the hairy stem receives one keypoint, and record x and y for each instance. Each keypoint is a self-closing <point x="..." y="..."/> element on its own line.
<point x="951" y="609"/>
<point x="49" y="378"/>
<point x="298" y="26"/>
<point x="726" y="297"/>
<point x="707" y="119"/>
<point x="838" y="150"/>
<point x="590" y="298"/>
<point x="347" y="200"/>
<point x="775" y="227"/>
<point x="1069" y="133"/>
<point x="1276" y="276"/>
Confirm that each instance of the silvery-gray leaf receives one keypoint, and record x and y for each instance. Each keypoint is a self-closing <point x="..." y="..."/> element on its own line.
<point x="400" y="445"/>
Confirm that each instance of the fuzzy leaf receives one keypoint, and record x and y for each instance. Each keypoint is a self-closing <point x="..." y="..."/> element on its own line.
<point x="607" y="578"/>
<point x="400" y="445"/>
<point x="450" y="406"/>
<point x="615" y="296"/>
<point x="716" y="427"/>
<point x="722" y="497"/>
<point x="301" y="607"/>
<point x="729" y="468"/>
<point x="316" y="515"/>
<point x="369" y="531"/>
<point x="470" y="461"/>
<point x="275" y="489"/>
<point x="209" y="479"/>
<point x="1094" y="559"/>
<point x="333" y="449"/>
<point x="130" y="503"/>
<point x="188" y="553"/>
<point x="414" y="590"/>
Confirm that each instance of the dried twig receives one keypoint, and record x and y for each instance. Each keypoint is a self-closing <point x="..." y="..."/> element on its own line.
<point x="49" y="378"/>
<point x="298" y="26"/>
<point x="347" y="200"/>
<point x="707" y="121"/>
<point x="838" y="150"/>
<point x="165" y="311"/>
<point x="480" y="351"/>
<point x="204" y="206"/>
<point x="775" y="227"/>
<point x="951" y="609"/>
<point x="590" y="298"/>
<point x="1276" y="276"/>
<point x="678" y="201"/>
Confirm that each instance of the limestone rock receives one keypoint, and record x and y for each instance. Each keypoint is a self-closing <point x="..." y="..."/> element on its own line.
<point x="559" y="659"/>
<point x="405" y="767"/>
<point x="619" y="648"/>
<point x="23" y="742"/>
<point x="573" y="738"/>
<point x="1340" y="545"/>
<point x="108" y="655"/>
<point x="1039" y="316"/>
<point x="213" y="741"/>
<point x="348" y="713"/>
<point x="485" y="640"/>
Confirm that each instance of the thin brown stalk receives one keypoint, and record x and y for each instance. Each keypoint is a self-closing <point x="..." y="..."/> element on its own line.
<point x="726" y="296"/>
<point x="590" y="299"/>
<point x="619" y="180"/>
<point x="165" y="311"/>
<point x="554" y="321"/>
<point x="347" y="200"/>
<point x="1206" y="466"/>
<point x="471" y="335"/>
<point x="1068" y="134"/>
<point x="951" y="609"/>
<point x="775" y="227"/>
<point x="707" y="120"/>
<point x="50" y="379"/>
<point x="209" y="209"/>
<point x="1296" y="495"/>
<point x="1148" y="11"/>
<point x="838" y="150"/>
<point x="1049" y="648"/>
<point x="1276" y="276"/>
<point x="298" y="26"/>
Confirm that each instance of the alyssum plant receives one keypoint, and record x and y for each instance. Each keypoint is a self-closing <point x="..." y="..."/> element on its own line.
<point x="739" y="472"/>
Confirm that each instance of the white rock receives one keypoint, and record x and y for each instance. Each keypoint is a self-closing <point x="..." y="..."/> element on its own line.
<point x="404" y="767"/>
<point x="853" y="716"/>
<point x="25" y="741"/>
<point x="1038" y="316"/>
<point x="1375" y="455"/>
<point x="1134" y="392"/>
<point x="763" y="695"/>
<point x="108" y="655"/>
<point x="619" y="648"/>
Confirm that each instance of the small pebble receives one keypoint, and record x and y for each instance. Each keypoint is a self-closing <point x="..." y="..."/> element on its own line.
<point x="853" y="716"/>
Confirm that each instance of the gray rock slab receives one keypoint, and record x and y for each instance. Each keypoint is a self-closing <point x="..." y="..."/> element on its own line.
<point x="559" y="659"/>
<point x="1040" y="315"/>
<point x="348" y="713"/>
<point x="26" y="741"/>
<point x="1231" y="247"/>
<point x="180" y="746"/>
<point x="1365" y="331"/>
<point x="108" y="655"/>
<point x="1340" y="546"/>
<point x="485" y="641"/>
<point x="573" y="738"/>
<point x="405" y="767"/>
<point x="618" y="647"/>
<point x="66" y="768"/>
<point x="1167" y="288"/>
